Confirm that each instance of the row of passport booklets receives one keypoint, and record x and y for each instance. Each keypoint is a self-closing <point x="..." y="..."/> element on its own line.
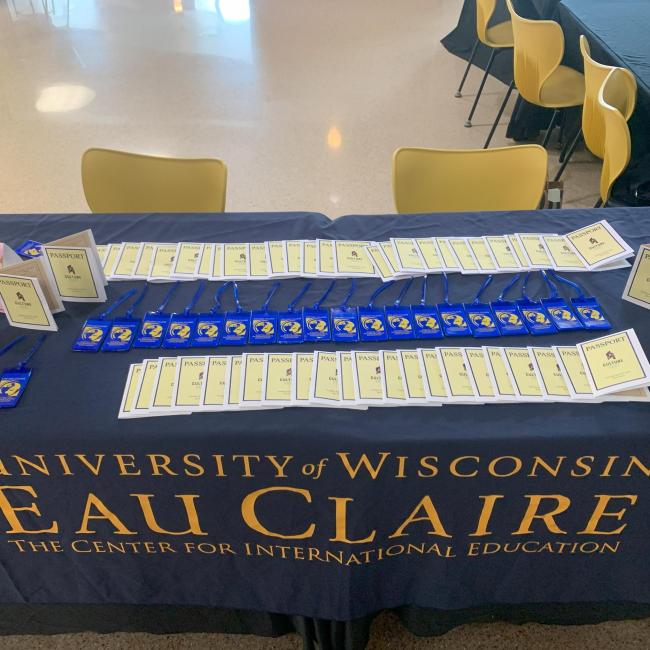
<point x="611" y="368"/>
<point x="595" y="247"/>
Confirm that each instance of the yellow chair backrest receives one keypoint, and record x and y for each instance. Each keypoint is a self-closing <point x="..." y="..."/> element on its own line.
<point x="484" y="11"/>
<point x="539" y="48"/>
<point x="614" y="100"/>
<point x="442" y="180"/>
<point x="593" y="123"/>
<point x="116" y="181"/>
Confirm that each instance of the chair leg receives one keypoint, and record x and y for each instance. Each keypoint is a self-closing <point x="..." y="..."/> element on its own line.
<point x="480" y="89"/>
<point x="549" y="130"/>
<point x="499" y="114"/>
<point x="469" y="65"/>
<point x="568" y="155"/>
<point x="599" y="204"/>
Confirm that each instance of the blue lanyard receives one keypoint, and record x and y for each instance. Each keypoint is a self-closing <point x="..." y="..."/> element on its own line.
<point x="353" y="286"/>
<point x="423" y="299"/>
<point x="143" y="293"/>
<point x="11" y="344"/>
<point x="123" y="298"/>
<point x="23" y="364"/>
<point x="235" y="293"/>
<point x="167" y="298"/>
<point x="482" y="288"/>
<point x="573" y="285"/>
<point x="445" y="289"/>
<point x="375" y="295"/>
<point x="502" y="295"/>
<point x="217" y="297"/>
<point x="552" y="286"/>
<point x="524" y="294"/>
<point x="195" y="297"/>
<point x="323" y="298"/>
<point x="267" y="302"/>
<point x="403" y="292"/>
<point x="292" y="305"/>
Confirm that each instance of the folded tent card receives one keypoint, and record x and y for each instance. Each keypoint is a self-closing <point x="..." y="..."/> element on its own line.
<point x="610" y="368"/>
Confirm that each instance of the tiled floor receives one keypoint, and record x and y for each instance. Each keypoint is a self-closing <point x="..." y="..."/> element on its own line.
<point x="306" y="101"/>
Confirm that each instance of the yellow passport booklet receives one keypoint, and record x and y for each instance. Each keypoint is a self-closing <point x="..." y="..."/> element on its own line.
<point x="325" y="384"/>
<point x="77" y="276"/>
<point x="434" y="385"/>
<point x="346" y="375"/>
<point x="391" y="372"/>
<point x="278" y="383"/>
<point x="458" y="380"/>
<point x="234" y="383"/>
<point x="162" y="261"/>
<point x="204" y="269"/>
<point x="562" y="255"/>
<point x="351" y="259"/>
<point x="412" y="377"/>
<point x="574" y="372"/>
<point x="504" y="391"/>
<point x="163" y="386"/>
<point x="38" y="269"/>
<point x="130" y="391"/>
<point x="369" y="384"/>
<point x="125" y="263"/>
<point x="430" y="254"/>
<point x="532" y="247"/>
<point x="259" y="261"/>
<point x="217" y="261"/>
<point x="464" y="255"/>
<point x="325" y="257"/>
<point x="217" y="373"/>
<point x="83" y="239"/>
<point x="24" y="303"/>
<point x="478" y="367"/>
<point x="236" y="262"/>
<point x="309" y="258"/>
<point x="523" y="374"/>
<point x="186" y="264"/>
<point x="381" y="263"/>
<point x="144" y="392"/>
<point x="407" y="255"/>
<point x="615" y="362"/>
<point x="294" y="257"/>
<point x="252" y="379"/>
<point x="550" y="374"/>
<point x="277" y="255"/>
<point x="449" y="260"/>
<point x="142" y="265"/>
<point x="503" y="253"/>
<point x="598" y="244"/>
<point x="482" y="254"/>
<point x="303" y="366"/>
<point x="637" y="289"/>
<point x="190" y="373"/>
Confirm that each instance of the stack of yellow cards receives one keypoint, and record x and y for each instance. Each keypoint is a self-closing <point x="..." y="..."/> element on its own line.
<point x="637" y="289"/>
<point x="610" y="368"/>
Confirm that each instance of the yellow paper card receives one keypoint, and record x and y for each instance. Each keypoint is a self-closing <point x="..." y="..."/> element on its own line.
<point x="574" y="372"/>
<point x="205" y="263"/>
<point x="598" y="244"/>
<point x="279" y="378"/>
<point x="189" y="382"/>
<point x="447" y="255"/>
<point x="25" y="304"/>
<point x="127" y="259"/>
<point x="214" y="389"/>
<point x="76" y="277"/>
<point x="277" y="252"/>
<point x="430" y="254"/>
<point x="143" y="264"/>
<point x="615" y="362"/>
<point x="259" y="262"/>
<point x="434" y="384"/>
<point x="326" y="257"/>
<point x="454" y="372"/>
<point x="464" y="254"/>
<point x="351" y="258"/>
<point x="38" y="269"/>
<point x="163" y="390"/>
<point x="325" y="387"/>
<point x="162" y="262"/>
<point x="518" y="250"/>
<point x="346" y="373"/>
<point x="533" y="249"/>
<point x="562" y="255"/>
<point x="482" y="253"/>
<point x="412" y="373"/>
<point x="234" y="382"/>
<point x="309" y="258"/>
<point x="130" y="391"/>
<point x="523" y="373"/>
<point x="389" y="252"/>
<point x="303" y="368"/>
<point x="550" y="374"/>
<point x="111" y="258"/>
<point x="145" y="391"/>
<point x="367" y="377"/>
<point x="236" y="261"/>
<point x="102" y="252"/>
<point x="294" y="257"/>
<point x="380" y="262"/>
<point x="637" y="289"/>
<point x="407" y="255"/>
<point x="252" y="382"/>
<point x="503" y="253"/>
<point x="217" y="262"/>
<point x="499" y="373"/>
<point x="391" y="372"/>
<point x="188" y="257"/>
<point x="477" y="364"/>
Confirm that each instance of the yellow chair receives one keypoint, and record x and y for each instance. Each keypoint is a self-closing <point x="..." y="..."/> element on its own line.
<point x="498" y="37"/>
<point x="443" y="180"/>
<point x="593" y="124"/>
<point x="116" y="181"/>
<point x="538" y="74"/>
<point x="615" y="98"/>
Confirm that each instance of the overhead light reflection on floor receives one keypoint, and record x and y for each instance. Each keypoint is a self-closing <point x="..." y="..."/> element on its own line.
<point x="235" y="11"/>
<point x="334" y="138"/>
<point x="62" y="98"/>
<point x="177" y="6"/>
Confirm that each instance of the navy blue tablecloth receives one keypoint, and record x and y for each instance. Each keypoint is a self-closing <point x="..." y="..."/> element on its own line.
<point x="63" y="453"/>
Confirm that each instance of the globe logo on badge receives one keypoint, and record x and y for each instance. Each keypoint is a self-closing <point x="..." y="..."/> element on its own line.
<point x="399" y="323"/>
<point x="561" y="314"/>
<point x="535" y="317"/>
<point x="93" y="334"/>
<point x="508" y="318"/>
<point x="426" y="321"/>
<point x="316" y="324"/>
<point x="290" y="326"/>
<point x="453" y="320"/>
<point x="122" y="334"/>
<point x="235" y="327"/>
<point x="154" y="330"/>
<point x="481" y="320"/>
<point x="207" y="330"/>
<point x="263" y="326"/>
<point x="344" y="325"/>
<point x="9" y="388"/>
<point x="179" y="330"/>
<point x="371" y="323"/>
<point x="590" y="313"/>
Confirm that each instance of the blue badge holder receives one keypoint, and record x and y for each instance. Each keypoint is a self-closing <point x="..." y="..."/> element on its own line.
<point x="506" y="314"/>
<point x="559" y="309"/>
<point x="316" y="321"/>
<point x="345" y="319"/>
<point x="264" y="323"/>
<point x="30" y="249"/>
<point x="236" y="324"/>
<point x="426" y="319"/>
<point x="588" y="309"/>
<point x="453" y="316"/>
<point x="123" y="330"/>
<point x="372" y="320"/>
<point x="13" y="381"/>
<point x="290" y="325"/>
<point x="94" y="330"/>
<point x="480" y="317"/>
<point x="534" y="314"/>
<point x="181" y="327"/>
<point x="209" y="326"/>
<point x="154" y="324"/>
<point x="400" y="319"/>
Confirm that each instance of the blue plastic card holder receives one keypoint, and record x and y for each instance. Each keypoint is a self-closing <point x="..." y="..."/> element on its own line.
<point x="13" y="381"/>
<point x="400" y="319"/>
<point x="372" y="320"/>
<point x="30" y="249"/>
<point x="426" y="320"/>
<point x="264" y="323"/>
<point x="480" y="317"/>
<point x="94" y="330"/>
<point x="345" y="319"/>
<point x="290" y="326"/>
<point x="453" y="316"/>
<point x="237" y="324"/>
<point x="534" y="314"/>
<point x="316" y="321"/>
<point x="154" y="324"/>
<point x="588" y="309"/>
<point x="506" y="314"/>
<point x="209" y="325"/>
<point x="181" y="326"/>
<point x="559" y="309"/>
<point x="123" y="330"/>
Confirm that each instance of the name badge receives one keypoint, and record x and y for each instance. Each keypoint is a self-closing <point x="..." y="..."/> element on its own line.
<point x="535" y="317"/>
<point x="208" y="331"/>
<point x="591" y="314"/>
<point x="120" y="335"/>
<point x="179" y="331"/>
<point x="453" y="319"/>
<point x="481" y="320"/>
<point x="400" y="323"/>
<point x="92" y="336"/>
<point x="264" y="328"/>
<point x="426" y="322"/>
<point x="12" y="387"/>
<point x="508" y="318"/>
<point x="345" y="324"/>
<point x="561" y="314"/>
<point x="290" y="327"/>
<point x="372" y="324"/>
<point x="316" y="325"/>
<point x="152" y="331"/>
<point x="235" y="328"/>
<point x="30" y="248"/>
